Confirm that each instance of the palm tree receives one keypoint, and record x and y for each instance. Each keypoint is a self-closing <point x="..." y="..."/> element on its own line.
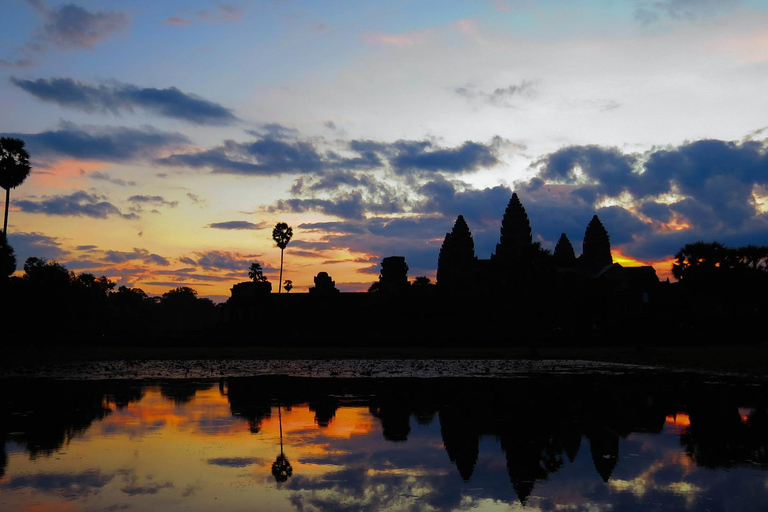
<point x="281" y="468"/>
<point x="281" y="235"/>
<point x="14" y="169"/>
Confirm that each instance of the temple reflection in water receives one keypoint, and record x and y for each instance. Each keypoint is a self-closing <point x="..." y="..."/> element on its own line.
<point x="442" y="444"/>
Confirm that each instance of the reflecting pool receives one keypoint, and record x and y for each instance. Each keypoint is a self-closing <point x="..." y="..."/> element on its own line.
<point x="616" y="441"/>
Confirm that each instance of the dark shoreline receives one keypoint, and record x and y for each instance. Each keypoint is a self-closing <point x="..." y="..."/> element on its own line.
<point x="746" y="359"/>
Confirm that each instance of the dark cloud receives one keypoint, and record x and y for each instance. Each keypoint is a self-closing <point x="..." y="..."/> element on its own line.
<point x="221" y="260"/>
<point x="274" y="131"/>
<point x="499" y="97"/>
<point x="237" y="224"/>
<point x="650" y="12"/>
<point x="137" y="254"/>
<point x="77" y="204"/>
<point x="153" y="200"/>
<point x="186" y="274"/>
<point x="276" y="152"/>
<point x="106" y="177"/>
<point x="105" y="143"/>
<point x="234" y="462"/>
<point x="151" y="488"/>
<point x="701" y="189"/>
<point x="117" y="97"/>
<point x="67" y="485"/>
<point x="73" y="27"/>
<point x="424" y="156"/>
<point x="26" y="245"/>
<point x="176" y="284"/>
<point x="346" y="206"/>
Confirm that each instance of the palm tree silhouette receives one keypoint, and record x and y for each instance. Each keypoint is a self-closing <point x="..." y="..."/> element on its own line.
<point x="281" y="468"/>
<point x="14" y="169"/>
<point x="281" y="235"/>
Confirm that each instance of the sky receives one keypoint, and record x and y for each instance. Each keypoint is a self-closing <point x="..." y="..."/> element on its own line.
<point x="168" y="138"/>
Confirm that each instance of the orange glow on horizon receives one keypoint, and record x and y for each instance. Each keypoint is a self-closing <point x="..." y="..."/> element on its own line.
<point x="626" y="261"/>
<point x="681" y="419"/>
<point x="346" y="422"/>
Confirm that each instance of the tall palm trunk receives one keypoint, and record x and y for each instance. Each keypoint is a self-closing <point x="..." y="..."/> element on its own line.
<point x="7" y="203"/>
<point x="280" y="283"/>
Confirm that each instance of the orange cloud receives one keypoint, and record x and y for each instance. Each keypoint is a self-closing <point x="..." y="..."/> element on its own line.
<point x="62" y="174"/>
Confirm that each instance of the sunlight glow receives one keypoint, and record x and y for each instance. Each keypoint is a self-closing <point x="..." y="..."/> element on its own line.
<point x="680" y="419"/>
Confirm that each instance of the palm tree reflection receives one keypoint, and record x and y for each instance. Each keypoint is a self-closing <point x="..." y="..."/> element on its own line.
<point x="281" y="468"/>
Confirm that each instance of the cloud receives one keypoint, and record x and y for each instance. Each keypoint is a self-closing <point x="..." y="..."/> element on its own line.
<point x="277" y="152"/>
<point x="18" y="62"/>
<point x="499" y="97"/>
<point x="26" y="245"/>
<point x="270" y="154"/>
<point x="175" y="20"/>
<point x="657" y="201"/>
<point x="237" y="224"/>
<point x="151" y="488"/>
<point x="103" y="143"/>
<point x="68" y="486"/>
<point x="117" y="97"/>
<point x="399" y="40"/>
<point x="195" y="199"/>
<point x="221" y="260"/>
<point x="650" y="12"/>
<point x="97" y="175"/>
<point x="153" y="200"/>
<point x="423" y="156"/>
<point x="223" y="13"/>
<point x="652" y="203"/>
<point x="234" y="462"/>
<point x="76" y="204"/>
<point x="73" y="27"/>
<point x="347" y="206"/>
<point x="137" y="254"/>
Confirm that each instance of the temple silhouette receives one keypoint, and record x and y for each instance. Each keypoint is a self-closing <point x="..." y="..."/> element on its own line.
<point x="521" y="291"/>
<point x="521" y="295"/>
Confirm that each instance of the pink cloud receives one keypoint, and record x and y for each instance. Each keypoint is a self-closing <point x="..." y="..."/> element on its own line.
<point x="410" y="38"/>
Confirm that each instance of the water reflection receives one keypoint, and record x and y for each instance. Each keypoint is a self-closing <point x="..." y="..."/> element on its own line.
<point x="577" y="442"/>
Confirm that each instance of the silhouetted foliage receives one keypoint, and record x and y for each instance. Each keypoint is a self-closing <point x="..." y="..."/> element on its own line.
<point x="288" y="285"/>
<point x="421" y="282"/>
<point x="596" y="250"/>
<point x="281" y="234"/>
<point x="7" y="258"/>
<point x="712" y="262"/>
<point x="14" y="169"/>
<point x="256" y="273"/>
<point x="456" y="261"/>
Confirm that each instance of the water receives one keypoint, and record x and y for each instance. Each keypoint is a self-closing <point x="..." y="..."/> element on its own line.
<point x="602" y="438"/>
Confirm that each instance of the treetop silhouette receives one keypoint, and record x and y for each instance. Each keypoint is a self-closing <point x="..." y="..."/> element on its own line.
<point x="14" y="169"/>
<point x="281" y="234"/>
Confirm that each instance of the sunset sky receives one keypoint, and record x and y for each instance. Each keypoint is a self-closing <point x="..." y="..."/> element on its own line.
<point x="168" y="138"/>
